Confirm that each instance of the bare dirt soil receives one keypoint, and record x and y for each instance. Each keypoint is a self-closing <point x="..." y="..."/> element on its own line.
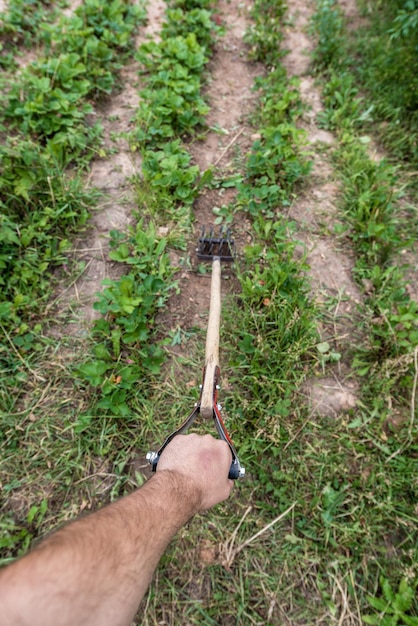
<point x="230" y="95"/>
<point x="315" y="211"/>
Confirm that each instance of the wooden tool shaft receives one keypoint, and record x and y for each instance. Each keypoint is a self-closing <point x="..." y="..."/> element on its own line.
<point x="212" y="340"/>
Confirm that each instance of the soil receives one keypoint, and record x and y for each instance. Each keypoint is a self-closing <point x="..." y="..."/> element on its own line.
<point x="111" y="175"/>
<point x="315" y="210"/>
<point x="328" y="258"/>
<point x="231" y="98"/>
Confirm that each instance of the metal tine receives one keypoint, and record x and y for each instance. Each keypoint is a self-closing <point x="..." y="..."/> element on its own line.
<point x="225" y="240"/>
<point x="211" y="246"/>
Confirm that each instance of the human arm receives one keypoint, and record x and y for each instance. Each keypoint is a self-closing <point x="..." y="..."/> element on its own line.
<point x="94" y="571"/>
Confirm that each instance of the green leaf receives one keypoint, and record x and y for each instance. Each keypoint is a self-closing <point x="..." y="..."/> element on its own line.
<point x="371" y="619"/>
<point x="388" y="593"/>
<point x="32" y="513"/>
<point x="323" y="347"/>
<point x="206" y="178"/>
<point x="378" y="603"/>
<point x="404" y="597"/>
<point x="121" y="253"/>
<point x="93" y="371"/>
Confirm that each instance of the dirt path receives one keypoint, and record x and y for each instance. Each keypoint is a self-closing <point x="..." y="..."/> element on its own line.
<point x="230" y="98"/>
<point x="111" y="175"/>
<point x="315" y="210"/>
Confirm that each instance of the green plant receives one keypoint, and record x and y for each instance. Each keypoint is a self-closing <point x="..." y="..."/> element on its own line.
<point x="170" y="170"/>
<point x="370" y="204"/>
<point x="376" y="58"/>
<point x="49" y="102"/>
<point x="20" y="23"/>
<point x="273" y="167"/>
<point x="101" y="35"/>
<point x="344" y="107"/>
<point x="394" y="606"/>
<point x="40" y="206"/>
<point x="405" y="21"/>
<point x="172" y="104"/>
<point x="277" y="161"/>
<point x="265" y="34"/>
<point x="126" y="346"/>
<point x="328" y="26"/>
<point x="14" y="536"/>
<point x="45" y="110"/>
<point x="326" y="354"/>
<point x="171" y="107"/>
<point x="274" y="318"/>
<point x="197" y="20"/>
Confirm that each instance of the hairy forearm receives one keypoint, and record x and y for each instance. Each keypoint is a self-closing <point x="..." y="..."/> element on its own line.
<point x="96" y="570"/>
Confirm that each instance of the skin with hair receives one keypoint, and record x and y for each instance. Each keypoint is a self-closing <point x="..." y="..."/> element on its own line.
<point x="95" y="571"/>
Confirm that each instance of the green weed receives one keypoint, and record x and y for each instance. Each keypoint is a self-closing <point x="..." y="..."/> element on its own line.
<point x="393" y="608"/>
<point x="20" y="23"/>
<point x="126" y="348"/>
<point x="274" y="317"/>
<point x="265" y="34"/>
<point x="329" y="29"/>
<point x="14" y="536"/>
<point x="378" y="57"/>
<point x="371" y="203"/>
<point x="344" y="107"/>
<point x="40" y="207"/>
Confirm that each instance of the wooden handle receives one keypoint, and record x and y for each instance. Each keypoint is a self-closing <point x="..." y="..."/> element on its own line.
<point x="212" y="340"/>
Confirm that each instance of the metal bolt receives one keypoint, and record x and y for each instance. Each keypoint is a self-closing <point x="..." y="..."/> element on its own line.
<point x="151" y="456"/>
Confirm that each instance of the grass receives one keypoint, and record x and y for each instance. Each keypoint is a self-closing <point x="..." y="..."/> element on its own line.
<point x="323" y="528"/>
<point x="375" y="206"/>
<point x="377" y="55"/>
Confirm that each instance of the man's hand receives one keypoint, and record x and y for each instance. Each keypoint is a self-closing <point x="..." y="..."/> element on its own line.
<point x="204" y="462"/>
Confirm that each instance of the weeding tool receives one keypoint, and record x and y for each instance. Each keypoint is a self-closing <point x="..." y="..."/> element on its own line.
<point x="215" y="249"/>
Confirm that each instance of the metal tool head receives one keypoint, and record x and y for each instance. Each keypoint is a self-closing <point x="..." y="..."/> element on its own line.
<point x="212" y="245"/>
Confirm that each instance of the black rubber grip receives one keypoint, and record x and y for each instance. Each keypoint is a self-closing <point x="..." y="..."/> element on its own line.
<point x="234" y="470"/>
